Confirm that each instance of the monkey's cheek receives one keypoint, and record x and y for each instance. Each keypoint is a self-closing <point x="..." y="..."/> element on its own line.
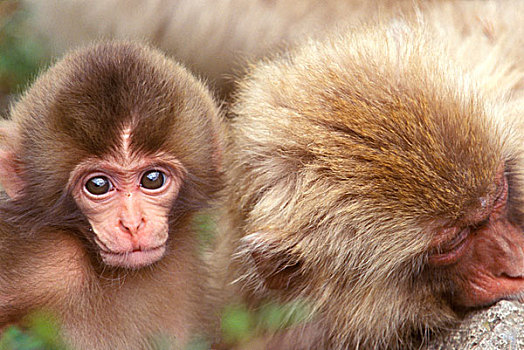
<point x="134" y="259"/>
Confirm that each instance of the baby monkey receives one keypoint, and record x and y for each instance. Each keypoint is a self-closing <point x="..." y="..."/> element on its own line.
<point x="105" y="161"/>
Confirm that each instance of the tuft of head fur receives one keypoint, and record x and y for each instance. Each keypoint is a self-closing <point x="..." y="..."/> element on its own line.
<point x="344" y="154"/>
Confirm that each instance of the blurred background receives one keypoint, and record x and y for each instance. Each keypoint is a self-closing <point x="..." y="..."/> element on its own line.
<point x="21" y="53"/>
<point x="213" y="38"/>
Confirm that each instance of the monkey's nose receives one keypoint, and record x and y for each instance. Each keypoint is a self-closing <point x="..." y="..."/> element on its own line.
<point x="132" y="227"/>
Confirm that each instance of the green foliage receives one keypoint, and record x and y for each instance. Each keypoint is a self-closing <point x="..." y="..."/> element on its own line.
<point x="198" y="343"/>
<point x="206" y="229"/>
<point x="164" y="342"/>
<point x="240" y="324"/>
<point x="21" y="56"/>
<point x="273" y="316"/>
<point x="41" y="334"/>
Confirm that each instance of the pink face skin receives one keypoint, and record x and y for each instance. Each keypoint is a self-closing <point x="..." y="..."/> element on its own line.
<point x="127" y="200"/>
<point x="486" y="258"/>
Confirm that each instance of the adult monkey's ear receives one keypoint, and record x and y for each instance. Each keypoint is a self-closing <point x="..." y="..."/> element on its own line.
<point x="278" y="268"/>
<point x="10" y="171"/>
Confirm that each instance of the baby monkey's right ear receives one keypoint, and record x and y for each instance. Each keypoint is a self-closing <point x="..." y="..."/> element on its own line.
<point x="10" y="168"/>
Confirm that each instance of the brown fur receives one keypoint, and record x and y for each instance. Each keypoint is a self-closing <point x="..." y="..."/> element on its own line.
<point x="345" y="155"/>
<point x="78" y="109"/>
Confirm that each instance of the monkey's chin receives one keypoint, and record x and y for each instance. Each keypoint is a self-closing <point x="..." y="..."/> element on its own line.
<point x="135" y="259"/>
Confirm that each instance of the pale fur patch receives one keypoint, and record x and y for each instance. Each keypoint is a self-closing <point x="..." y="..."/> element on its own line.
<point x="125" y="150"/>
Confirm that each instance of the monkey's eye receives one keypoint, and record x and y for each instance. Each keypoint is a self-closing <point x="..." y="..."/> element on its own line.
<point x="451" y="251"/>
<point x="98" y="185"/>
<point x="153" y="180"/>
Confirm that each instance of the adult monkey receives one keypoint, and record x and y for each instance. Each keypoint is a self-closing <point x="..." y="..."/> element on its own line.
<point x="105" y="161"/>
<point x="376" y="176"/>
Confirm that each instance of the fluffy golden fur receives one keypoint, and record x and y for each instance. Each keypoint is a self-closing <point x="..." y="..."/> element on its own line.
<point x="345" y="153"/>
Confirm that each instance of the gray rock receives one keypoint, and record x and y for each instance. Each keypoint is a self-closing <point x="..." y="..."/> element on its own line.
<point x="499" y="327"/>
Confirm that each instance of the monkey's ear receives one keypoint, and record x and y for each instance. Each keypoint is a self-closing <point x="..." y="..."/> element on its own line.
<point x="278" y="271"/>
<point x="278" y="268"/>
<point x="10" y="179"/>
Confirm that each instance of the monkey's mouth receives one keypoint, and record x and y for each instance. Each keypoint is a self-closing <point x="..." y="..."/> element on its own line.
<point x="133" y="259"/>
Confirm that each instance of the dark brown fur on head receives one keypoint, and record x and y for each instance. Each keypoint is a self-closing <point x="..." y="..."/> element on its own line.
<point x="80" y="107"/>
<point x="346" y="156"/>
